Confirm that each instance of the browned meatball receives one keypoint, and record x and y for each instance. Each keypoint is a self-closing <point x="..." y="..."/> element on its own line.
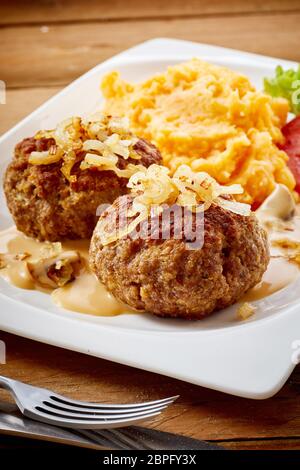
<point x="46" y="206"/>
<point x="166" y="278"/>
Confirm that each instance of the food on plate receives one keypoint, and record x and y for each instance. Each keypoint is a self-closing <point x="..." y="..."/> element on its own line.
<point x="245" y="311"/>
<point x="280" y="216"/>
<point x="30" y="264"/>
<point x="6" y="259"/>
<point x="286" y="84"/>
<point x="59" y="178"/>
<point x="178" y="275"/>
<point x="56" y="271"/>
<point x="291" y="145"/>
<point x="278" y="209"/>
<point x="210" y="118"/>
<point x="290" y="247"/>
<point x="178" y="237"/>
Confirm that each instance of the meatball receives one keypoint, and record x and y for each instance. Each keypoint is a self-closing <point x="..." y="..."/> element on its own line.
<point x="46" y="206"/>
<point x="168" y="278"/>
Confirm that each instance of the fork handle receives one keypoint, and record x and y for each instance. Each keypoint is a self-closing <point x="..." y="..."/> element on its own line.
<point x="6" y="383"/>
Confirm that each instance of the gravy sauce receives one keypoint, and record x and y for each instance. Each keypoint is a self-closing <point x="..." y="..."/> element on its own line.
<point x="281" y="218"/>
<point x="87" y="295"/>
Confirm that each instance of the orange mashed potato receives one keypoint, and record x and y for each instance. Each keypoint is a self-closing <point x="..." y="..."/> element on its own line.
<point x="210" y="118"/>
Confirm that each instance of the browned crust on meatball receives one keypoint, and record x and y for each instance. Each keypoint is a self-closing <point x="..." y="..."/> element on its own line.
<point x="46" y="206"/>
<point x="166" y="278"/>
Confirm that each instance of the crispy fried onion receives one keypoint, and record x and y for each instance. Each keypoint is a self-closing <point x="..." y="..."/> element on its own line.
<point x="153" y="187"/>
<point x="97" y="142"/>
<point x="245" y="311"/>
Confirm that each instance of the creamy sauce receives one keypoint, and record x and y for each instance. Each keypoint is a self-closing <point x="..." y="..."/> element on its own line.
<point x="280" y="274"/>
<point x="281" y="218"/>
<point x="87" y="295"/>
<point x="14" y="243"/>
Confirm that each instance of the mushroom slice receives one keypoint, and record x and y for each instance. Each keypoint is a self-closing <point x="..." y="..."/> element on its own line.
<point x="56" y="271"/>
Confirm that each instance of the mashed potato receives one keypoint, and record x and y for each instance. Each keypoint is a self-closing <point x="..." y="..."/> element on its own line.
<point x="210" y="118"/>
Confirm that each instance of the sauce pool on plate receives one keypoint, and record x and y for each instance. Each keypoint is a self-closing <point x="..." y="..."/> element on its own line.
<point x="85" y="294"/>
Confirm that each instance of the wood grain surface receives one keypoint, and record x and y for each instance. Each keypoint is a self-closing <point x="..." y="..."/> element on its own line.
<point x="199" y="412"/>
<point x="35" y="56"/>
<point x="54" y="11"/>
<point x="46" y="44"/>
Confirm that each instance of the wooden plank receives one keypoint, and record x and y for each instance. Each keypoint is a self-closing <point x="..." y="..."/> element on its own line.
<point x="21" y="102"/>
<point x="199" y="412"/>
<point x="65" y="52"/>
<point x="263" y="444"/>
<point x="22" y="11"/>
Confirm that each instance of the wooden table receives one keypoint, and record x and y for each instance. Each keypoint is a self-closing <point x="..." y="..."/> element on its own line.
<point x="46" y="44"/>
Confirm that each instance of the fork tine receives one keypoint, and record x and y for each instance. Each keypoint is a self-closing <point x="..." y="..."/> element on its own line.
<point x="99" y="406"/>
<point x="68" y="406"/>
<point x="44" y="405"/>
<point x="95" y="416"/>
<point x="90" y="412"/>
<point x="88" y="423"/>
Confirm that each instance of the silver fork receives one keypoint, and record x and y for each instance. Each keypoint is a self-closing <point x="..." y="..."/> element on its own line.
<point x="44" y="405"/>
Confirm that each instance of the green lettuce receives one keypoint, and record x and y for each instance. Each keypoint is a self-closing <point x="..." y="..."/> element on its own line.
<point x="286" y="84"/>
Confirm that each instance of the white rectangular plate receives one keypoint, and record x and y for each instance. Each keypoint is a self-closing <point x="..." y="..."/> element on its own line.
<point x="251" y="359"/>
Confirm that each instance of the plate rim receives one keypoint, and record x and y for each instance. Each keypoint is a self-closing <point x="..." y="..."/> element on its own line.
<point x="221" y="378"/>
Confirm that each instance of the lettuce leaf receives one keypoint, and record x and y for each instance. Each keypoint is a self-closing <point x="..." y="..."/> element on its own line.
<point x="286" y="84"/>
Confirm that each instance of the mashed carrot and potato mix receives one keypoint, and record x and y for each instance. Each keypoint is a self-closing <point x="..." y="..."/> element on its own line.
<point x="210" y="118"/>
